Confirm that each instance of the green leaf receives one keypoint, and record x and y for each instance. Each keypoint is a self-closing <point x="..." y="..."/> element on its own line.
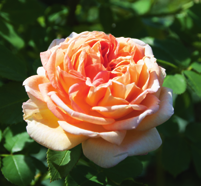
<point x="21" y="12"/>
<point x="175" y="155"/>
<point x="39" y="165"/>
<point x="194" y="80"/>
<point x="61" y="162"/>
<point x="18" y="169"/>
<point x="194" y="13"/>
<point x="176" y="82"/>
<point x="141" y="6"/>
<point x="184" y="108"/>
<point x="196" y="153"/>
<point x="196" y="66"/>
<point x="11" y="67"/>
<point x="83" y="172"/>
<point x="167" y="6"/>
<point x="172" y="51"/>
<point x="12" y="95"/>
<point x="69" y="181"/>
<point x="169" y="128"/>
<point x="129" y="168"/>
<point x="16" y="138"/>
<point x="193" y="131"/>
<point x="8" y="32"/>
<point x="89" y="177"/>
<point x="166" y="63"/>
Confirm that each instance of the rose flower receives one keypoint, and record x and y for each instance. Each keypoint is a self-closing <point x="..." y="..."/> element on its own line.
<point x="101" y="91"/>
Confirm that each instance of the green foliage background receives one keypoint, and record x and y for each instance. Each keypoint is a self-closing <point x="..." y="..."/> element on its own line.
<point x="171" y="27"/>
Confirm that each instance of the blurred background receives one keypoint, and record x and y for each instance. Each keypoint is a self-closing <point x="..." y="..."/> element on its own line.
<point x="171" y="27"/>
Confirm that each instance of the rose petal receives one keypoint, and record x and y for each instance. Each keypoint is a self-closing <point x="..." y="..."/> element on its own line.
<point x="97" y="93"/>
<point x="56" y="42"/>
<point x="45" y="89"/>
<point x="109" y="99"/>
<point x="117" y="111"/>
<point x="115" y="137"/>
<point x="44" y="129"/>
<point x="31" y="85"/>
<point x="165" y="111"/>
<point x="153" y="86"/>
<point x="106" y="154"/>
<point x="80" y="116"/>
<point x="41" y="71"/>
<point x="103" y="153"/>
<point x="151" y="102"/>
<point x="141" y="142"/>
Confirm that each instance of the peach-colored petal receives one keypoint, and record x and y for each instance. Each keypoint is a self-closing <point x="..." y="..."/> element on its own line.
<point x="44" y="56"/>
<point x="153" y="86"/>
<point x="144" y="77"/>
<point x="117" y="111"/>
<point x="31" y="85"/>
<point x="67" y="79"/>
<point x="80" y="116"/>
<point x="135" y="70"/>
<point x="44" y="129"/>
<point x="101" y="78"/>
<point x="125" y="77"/>
<point x="109" y="99"/>
<point x="115" y="137"/>
<point x="96" y="93"/>
<point x="50" y="68"/>
<point x="165" y="111"/>
<point x="151" y="102"/>
<point x="106" y="154"/>
<point x="77" y="94"/>
<point x="45" y="89"/>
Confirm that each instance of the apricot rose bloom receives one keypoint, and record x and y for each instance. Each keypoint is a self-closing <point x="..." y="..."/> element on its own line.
<point x="101" y="91"/>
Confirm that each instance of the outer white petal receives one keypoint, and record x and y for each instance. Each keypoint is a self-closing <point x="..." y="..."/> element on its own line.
<point x="41" y="71"/>
<point x="165" y="111"/>
<point x="103" y="153"/>
<point x="72" y="35"/>
<point x="141" y="142"/>
<point x="106" y="154"/>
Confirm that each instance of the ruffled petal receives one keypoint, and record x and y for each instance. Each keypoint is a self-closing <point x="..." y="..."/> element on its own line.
<point x="151" y="102"/>
<point x="165" y="111"/>
<point x="78" y="115"/>
<point x="153" y="87"/>
<point x="32" y="86"/>
<point x="117" y="111"/>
